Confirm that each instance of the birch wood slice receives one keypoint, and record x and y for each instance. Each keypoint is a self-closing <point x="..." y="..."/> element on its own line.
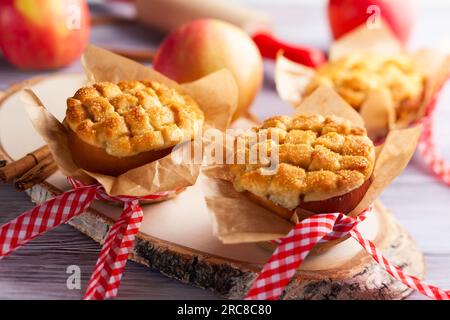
<point x="176" y="236"/>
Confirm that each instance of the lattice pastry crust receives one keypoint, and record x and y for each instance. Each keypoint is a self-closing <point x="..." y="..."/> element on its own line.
<point x="319" y="158"/>
<point x="131" y="117"/>
<point x="355" y="76"/>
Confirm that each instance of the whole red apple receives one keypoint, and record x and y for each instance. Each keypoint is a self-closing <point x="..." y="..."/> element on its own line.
<point x="43" y="34"/>
<point x="346" y="15"/>
<point x="204" y="46"/>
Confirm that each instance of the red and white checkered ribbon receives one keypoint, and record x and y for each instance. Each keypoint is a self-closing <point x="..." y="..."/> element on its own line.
<point x="118" y="243"/>
<point x="427" y="147"/>
<point x="293" y="249"/>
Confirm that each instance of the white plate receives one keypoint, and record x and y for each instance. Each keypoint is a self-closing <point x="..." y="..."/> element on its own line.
<point x="184" y="220"/>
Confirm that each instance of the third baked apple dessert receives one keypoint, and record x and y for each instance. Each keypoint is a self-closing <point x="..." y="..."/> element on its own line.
<point x="113" y="128"/>
<point x="355" y="76"/>
<point x="325" y="166"/>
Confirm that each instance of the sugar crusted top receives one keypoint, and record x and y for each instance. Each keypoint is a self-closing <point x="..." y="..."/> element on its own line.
<point x="131" y="117"/>
<point x="319" y="158"/>
<point x="355" y="76"/>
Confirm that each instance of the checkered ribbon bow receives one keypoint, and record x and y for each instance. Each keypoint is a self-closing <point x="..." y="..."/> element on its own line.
<point x="105" y="279"/>
<point x="293" y="249"/>
<point x="427" y="146"/>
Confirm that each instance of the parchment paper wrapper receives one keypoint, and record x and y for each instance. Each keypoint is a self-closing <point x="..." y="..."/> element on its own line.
<point x="216" y="94"/>
<point x="237" y="219"/>
<point x="378" y="111"/>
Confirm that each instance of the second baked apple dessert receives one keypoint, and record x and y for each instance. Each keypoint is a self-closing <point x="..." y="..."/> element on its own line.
<point x="325" y="165"/>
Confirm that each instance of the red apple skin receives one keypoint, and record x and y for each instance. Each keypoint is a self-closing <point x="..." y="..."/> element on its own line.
<point x="204" y="46"/>
<point x="35" y="34"/>
<point x="346" y="15"/>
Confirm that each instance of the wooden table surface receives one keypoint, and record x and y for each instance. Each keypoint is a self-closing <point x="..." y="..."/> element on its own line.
<point x="38" y="271"/>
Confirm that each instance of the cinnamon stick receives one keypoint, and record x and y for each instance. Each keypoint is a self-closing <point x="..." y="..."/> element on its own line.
<point x="37" y="174"/>
<point x="18" y="168"/>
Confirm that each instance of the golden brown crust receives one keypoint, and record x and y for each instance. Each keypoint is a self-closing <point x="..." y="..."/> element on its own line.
<point x="319" y="158"/>
<point x="132" y="117"/>
<point x="353" y="77"/>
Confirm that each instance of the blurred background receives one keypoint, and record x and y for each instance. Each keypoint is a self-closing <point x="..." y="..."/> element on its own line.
<point x="30" y="31"/>
<point x="300" y="22"/>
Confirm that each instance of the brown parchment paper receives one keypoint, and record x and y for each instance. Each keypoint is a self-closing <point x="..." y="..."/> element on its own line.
<point x="378" y="111"/>
<point x="216" y="94"/>
<point x="236" y="219"/>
